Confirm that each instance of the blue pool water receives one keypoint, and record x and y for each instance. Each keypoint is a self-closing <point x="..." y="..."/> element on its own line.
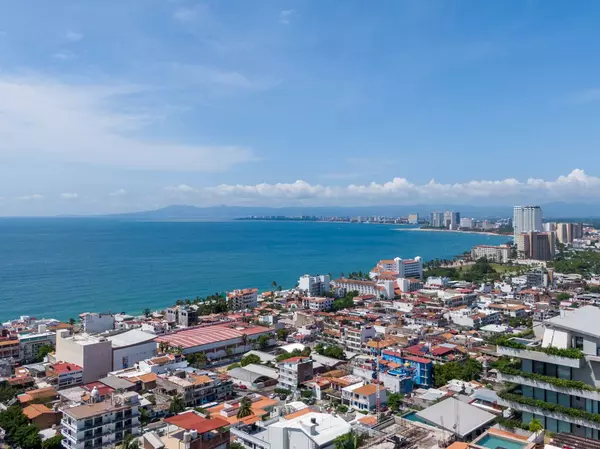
<point x="495" y="442"/>
<point x="412" y="416"/>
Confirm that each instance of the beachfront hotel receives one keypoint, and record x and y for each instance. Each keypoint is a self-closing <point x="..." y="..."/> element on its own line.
<point x="558" y="379"/>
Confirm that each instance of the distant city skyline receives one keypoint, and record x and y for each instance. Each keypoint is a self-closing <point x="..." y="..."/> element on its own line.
<point x="125" y="105"/>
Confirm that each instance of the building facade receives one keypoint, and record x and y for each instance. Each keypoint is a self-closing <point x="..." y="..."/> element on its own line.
<point x="436" y="220"/>
<point x="294" y="371"/>
<point x="500" y="254"/>
<point x="549" y="383"/>
<point x="314" y="285"/>
<point x="243" y="299"/>
<point x="101" y="424"/>
<point x="527" y="219"/>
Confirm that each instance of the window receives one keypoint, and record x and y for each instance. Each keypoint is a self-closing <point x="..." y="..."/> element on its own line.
<point x="577" y="342"/>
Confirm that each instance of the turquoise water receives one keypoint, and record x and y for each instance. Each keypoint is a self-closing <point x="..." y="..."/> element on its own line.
<point x="495" y="442"/>
<point x="412" y="416"/>
<point x="61" y="267"/>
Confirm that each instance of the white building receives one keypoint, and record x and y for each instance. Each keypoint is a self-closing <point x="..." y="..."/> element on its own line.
<point x="413" y="218"/>
<point x="500" y="254"/>
<point x="314" y="285"/>
<point x="364" y="397"/>
<point x="294" y="371"/>
<point x="30" y="344"/>
<point x="408" y="285"/>
<point x="377" y="288"/>
<point x="317" y="304"/>
<point x="466" y="223"/>
<point x="527" y="219"/>
<point x="243" y="299"/>
<point x="311" y="430"/>
<point x="131" y="347"/>
<point x="437" y="282"/>
<point x="354" y="339"/>
<point x="409" y="268"/>
<point x="101" y="424"/>
<point x="96" y="323"/>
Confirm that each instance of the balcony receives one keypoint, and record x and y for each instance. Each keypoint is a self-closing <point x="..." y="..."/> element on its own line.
<point x="538" y="383"/>
<point x="530" y="408"/>
<point x="536" y="354"/>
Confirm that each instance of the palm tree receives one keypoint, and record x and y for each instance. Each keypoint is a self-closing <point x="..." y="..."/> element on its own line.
<point x="244" y="338"/>
<point x="535" y="426"/>
<point x="245" y="408"/>
<point x="130" y="442"/>
<point x="350" y="440"/>
<point x="147" y="312"/>
<point x="274" y="284"/>
<point x="177" y="405"/>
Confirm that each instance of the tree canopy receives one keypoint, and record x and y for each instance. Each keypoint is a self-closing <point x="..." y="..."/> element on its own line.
<point x="468" y="370"/>
<point x="250" y="359"/>
<point x="18" y="430"/>
<point x="333" y="351"/>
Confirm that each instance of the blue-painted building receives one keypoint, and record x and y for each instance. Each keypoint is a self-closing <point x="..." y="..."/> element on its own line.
<point x="423" y="368"/>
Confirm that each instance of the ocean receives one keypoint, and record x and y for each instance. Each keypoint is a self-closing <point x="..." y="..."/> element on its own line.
<point x="61" y="267"/>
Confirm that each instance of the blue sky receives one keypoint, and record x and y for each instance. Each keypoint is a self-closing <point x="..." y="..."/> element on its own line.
<point x="124" y="105"/>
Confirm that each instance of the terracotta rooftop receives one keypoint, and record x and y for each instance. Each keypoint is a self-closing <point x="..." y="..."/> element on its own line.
<point x="193" y="421"/>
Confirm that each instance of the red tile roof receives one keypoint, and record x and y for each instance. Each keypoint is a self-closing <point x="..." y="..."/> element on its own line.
<point x="192" y="421"/>
<point x="65" y="367"/>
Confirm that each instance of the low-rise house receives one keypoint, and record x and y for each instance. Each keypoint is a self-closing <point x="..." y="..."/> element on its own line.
<point x="262" y="407"/>
<point x="317" y="304"/>
<point x="64" y="374"/>
<point x="308" y="430"/>
<point x="38" y="396"/>
<point x="190" y="431"/>
<point x="41" y="416"/>
<point x="364" y="396"/>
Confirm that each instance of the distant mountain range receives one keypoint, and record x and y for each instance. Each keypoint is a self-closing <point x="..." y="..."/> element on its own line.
<point x="184" y="212"/>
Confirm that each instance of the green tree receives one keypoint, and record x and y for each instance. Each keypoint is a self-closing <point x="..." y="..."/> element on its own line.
<point x="72" y="321"/>
<point x="563" y="297"/>
<point x="7" y="392"/>
<point x="245" y="408"/>
<point x="236" y="445"/>
<point x="350" y="440"/>
<point x="469" y="370"/>
<point x="43" y="352"/>
<point x="250" y="359"/>
<point x="147" y="312"/>
<point x="197" y="359"/>
<point x="177" y="405"/>
<point x="27" y="437"/>
<point x="394" y="400"/>
<point x="535" y="426"/>
<point x="263" y="341"/>
<point x="282" y="334"/>
<point x="130" y="442"/>
<point x="233" y="365"/>
<point x="53" y="442"/>
<point x="333" y="351"/>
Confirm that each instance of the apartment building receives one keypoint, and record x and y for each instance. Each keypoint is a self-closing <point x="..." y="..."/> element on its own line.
<point x="355" y="338"/>
<point x="536" y="245"/>
<point x="195" y="389"/>
<point x="184" y="316"/>
<point x="423" y="368"/>
<point x="31" y="343"/>
<point x="314" y="285"/>
<point x="436" y="219"/>
<point x="527" y="219"/>
<point x="10" y="347"/>
<point x="243" y="299"/>
<point x="409" y="285"/>
<point x="499" y="254"/>
<point x="466" y="223"/>
<point x="294" y="371"/>
<point x="96" y="323"/>
<point x="101" y="424"/>
<point x="558" y="378"/>
<point x="317" y="304"/>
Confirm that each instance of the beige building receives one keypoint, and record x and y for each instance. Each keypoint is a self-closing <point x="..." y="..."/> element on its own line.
<point x="93" y="354"/>
<point x="536" y="245"/>
<point x="500" y="254"/>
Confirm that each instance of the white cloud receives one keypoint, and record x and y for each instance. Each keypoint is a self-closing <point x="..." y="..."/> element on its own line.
<point x="182" y="188"/>
<point x="64" y="55"/>
<point x="35" y="196"/>
<point x="73" y="36"/>
<point x="576" y="186"/>
<point x="90" y="124"/>
<point x="188" y="14"/>
<point x="69" y="196"/>
<point x="119" y="192"/>
<point x="286" y="15"/>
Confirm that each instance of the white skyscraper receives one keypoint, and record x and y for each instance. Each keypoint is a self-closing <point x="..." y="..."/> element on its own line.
<point x="527" y="219"/>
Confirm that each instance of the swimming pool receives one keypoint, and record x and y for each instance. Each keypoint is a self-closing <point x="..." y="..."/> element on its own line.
<point x="496" y="442"/>
<point x="412" y="416"/>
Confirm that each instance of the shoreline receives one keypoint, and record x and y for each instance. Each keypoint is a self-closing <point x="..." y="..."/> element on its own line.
<point x="456" y="231"/>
